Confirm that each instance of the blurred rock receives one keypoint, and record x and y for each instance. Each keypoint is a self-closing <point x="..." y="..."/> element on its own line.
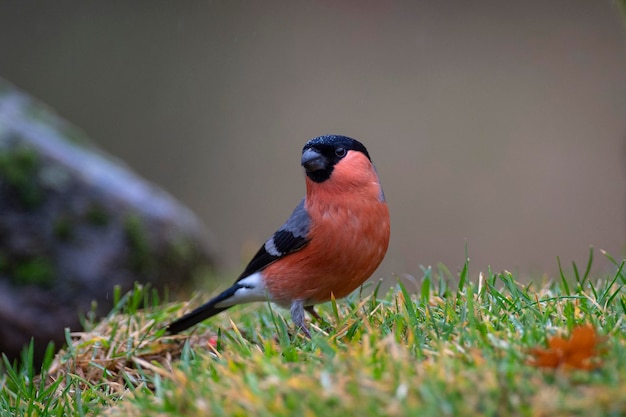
<point x="74" y="223"/>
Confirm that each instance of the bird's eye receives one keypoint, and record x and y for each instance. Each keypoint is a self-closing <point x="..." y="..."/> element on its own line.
<point x="340" y="152"/>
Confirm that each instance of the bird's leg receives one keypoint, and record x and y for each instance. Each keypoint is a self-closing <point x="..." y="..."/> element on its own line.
<point x="297" y="315"/>
<point x="311" y="311"/>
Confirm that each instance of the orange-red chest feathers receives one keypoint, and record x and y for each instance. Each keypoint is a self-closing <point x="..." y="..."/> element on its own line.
<point x="349" y="236"/>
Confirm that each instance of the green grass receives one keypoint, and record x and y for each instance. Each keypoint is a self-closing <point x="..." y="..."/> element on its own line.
<point x="453" y="347"/>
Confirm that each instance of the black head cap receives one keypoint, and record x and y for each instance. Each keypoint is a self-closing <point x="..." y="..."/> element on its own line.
<point x="320" y="154"/>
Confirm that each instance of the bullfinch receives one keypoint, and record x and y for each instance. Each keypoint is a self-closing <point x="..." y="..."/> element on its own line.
<point x="332" y="242"/>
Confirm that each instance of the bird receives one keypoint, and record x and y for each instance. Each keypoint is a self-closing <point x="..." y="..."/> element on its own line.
<point x="332" y="243"/>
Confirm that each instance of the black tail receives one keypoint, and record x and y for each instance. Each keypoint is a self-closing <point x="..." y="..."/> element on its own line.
<point x="201" y="313"/>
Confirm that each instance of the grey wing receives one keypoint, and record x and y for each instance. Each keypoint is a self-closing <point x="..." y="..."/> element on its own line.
<point x="290" y="237"/>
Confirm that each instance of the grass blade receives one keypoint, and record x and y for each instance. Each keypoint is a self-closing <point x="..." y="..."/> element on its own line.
<point x="564" y="283"/>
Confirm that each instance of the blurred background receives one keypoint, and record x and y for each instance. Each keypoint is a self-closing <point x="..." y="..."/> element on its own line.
<point x="499" y="124"/>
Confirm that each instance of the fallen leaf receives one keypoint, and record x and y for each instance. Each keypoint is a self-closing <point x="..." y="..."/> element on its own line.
<point x="579" y="351"/>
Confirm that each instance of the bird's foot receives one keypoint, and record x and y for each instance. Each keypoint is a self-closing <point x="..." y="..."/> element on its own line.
<point x="297" y="315"/>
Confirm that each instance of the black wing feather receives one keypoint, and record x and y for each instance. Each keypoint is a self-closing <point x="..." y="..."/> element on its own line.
<point x="262" y="259"/>
<point x="291" y="237"/>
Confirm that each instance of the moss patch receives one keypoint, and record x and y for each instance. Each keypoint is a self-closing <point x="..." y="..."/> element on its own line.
<point x="63" y="229"/>
<point x="18" y="170"/>
<point x="180" y="251"/>
<point x="96" y="215"/>
<point x="141" y="260"/>
<point x="34" y="271"/>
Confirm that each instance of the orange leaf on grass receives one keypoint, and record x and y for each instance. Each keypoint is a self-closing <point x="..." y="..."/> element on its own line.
<point x="579" y="351"/>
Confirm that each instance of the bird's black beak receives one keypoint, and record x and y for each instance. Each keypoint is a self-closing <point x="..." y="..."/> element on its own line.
<point x="313" y="160"/>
